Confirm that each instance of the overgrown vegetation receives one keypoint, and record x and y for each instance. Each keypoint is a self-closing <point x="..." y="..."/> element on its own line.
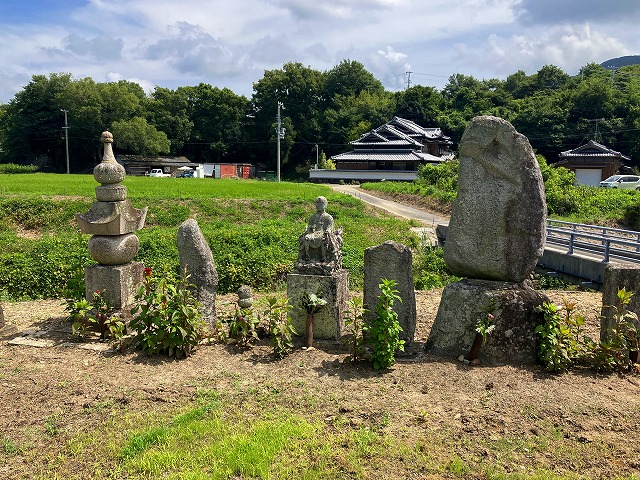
<point x="382" y="333"/>
<point x="166" y="317"/>
<point x="251" y="226"/>
<point x="563" y="343"/>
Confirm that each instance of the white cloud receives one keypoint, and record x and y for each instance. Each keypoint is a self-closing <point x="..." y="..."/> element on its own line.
<point x="224" y="43"/>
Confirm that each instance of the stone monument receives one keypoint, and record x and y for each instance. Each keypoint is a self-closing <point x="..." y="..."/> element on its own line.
<point x="111" y="221"/>
<point x="495" y="237"/>
<point x="196" y="257"/>
<point x="392" y="261"/>
<point x="319" y="271"/>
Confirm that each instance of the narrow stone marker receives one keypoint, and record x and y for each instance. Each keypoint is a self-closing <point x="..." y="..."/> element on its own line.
<point x="195" y="255"/>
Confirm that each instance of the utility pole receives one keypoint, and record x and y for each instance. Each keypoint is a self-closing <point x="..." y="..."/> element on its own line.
<point x="597" y="137"/>
<point x="408" y="78"/>
<point x="316" y="156"/>
<point x="66" y="136"/>
<point x="279" y="135"/>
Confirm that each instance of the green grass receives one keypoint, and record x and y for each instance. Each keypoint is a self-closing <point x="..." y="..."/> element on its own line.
<point x="252" y="228"/>
<point x="277" y="434"/>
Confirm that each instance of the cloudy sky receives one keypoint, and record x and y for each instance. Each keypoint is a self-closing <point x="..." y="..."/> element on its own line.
<point x="230" y="43"/>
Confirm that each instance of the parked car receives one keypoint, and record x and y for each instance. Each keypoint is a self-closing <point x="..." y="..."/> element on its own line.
<point x="186" y="174"/>
<point x="630" y="182"/>
<point x="157" y="172"/>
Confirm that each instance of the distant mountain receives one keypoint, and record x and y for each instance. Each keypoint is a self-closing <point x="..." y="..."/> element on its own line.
<point x="621" y="62"/>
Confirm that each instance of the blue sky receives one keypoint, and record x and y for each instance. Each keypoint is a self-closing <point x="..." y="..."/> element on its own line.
<point x="231" y="43"/>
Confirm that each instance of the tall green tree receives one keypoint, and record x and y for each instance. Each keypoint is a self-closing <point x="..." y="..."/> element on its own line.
<point x="137" y="136"/>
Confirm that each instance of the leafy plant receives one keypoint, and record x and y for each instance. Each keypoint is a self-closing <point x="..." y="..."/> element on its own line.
<point x="354" y="322"/>
<point x="485" y="325"/>
<point x="243" y="325"/>
<point x="383" y="330"/>
<point x="96" y="315"/>
<point x="558" y="345"/>
<point x="166" y="317"/>
<point x="622" y="337"/>
<point x="279" y="325"/>
<point x="312" y="303"/>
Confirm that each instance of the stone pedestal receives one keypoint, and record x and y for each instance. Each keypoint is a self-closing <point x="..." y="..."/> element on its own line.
<point x="334" y="288"/>
<point x="513" y="340"/>
<point x="119" y="283"/>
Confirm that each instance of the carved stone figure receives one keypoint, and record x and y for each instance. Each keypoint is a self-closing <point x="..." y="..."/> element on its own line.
<point x="320" y="251"/>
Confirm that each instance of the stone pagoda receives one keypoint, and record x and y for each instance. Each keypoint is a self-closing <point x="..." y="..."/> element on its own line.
<point x="111" y="221"/>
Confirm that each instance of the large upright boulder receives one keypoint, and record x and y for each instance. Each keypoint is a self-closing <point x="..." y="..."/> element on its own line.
<point x="498" y="221"/>
<point x="195" y="255"/>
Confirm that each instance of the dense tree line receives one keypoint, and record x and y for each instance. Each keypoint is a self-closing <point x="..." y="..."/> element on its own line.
<point x="325" y="108"/>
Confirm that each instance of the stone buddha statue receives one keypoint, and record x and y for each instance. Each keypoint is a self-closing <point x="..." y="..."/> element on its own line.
<point x="320" y="251"/>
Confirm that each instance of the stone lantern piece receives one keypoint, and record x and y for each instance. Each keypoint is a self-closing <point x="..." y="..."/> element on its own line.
<point x="111" y="221"/>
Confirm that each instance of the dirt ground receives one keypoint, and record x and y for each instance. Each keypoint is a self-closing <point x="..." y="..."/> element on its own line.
<point x="61" y="387"/>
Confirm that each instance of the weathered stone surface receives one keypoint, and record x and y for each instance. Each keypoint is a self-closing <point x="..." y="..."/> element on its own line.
<point x="108" y="171"/>
<point x="113" y="249"/>
<point x="392" y="261"/>
<point x="111" y="218"/>
<point x="196" y="257"/>
<point x="111" y="193"/>
<point x="118" y="283"/>
<point x="513" y="340"/>
<point x="617" y="277"/>
<point x="245" y="296"/>
<point x="329" y="321"/>
<point x="497" y="229"/>
<point x="320" y="245"/>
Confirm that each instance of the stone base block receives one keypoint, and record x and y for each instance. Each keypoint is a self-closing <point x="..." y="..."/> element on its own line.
<point x="119" y="283"/>
<point x="513" y="340"/>
<point x="329" y="322"/>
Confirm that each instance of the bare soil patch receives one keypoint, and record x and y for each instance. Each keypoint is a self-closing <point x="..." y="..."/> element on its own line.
<point x="73" y="390"/>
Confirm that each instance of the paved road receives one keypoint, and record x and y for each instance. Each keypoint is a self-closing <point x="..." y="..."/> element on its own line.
<point x="428" y="219"/>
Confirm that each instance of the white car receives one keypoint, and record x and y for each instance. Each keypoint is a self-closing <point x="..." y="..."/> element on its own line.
<point x="630" y="182"/>
<point x="157" y="172"/>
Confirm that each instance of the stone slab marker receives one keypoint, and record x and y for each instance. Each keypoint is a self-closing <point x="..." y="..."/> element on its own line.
<point x="616" y="277"/>
<point x="195" y="255"/>
<point x="497" y="229"/>
<point x="392" y="261"/>
<point x="495" y="237"/>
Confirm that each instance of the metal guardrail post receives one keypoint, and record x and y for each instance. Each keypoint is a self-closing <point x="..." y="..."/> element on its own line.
<point x="571" y="238"/>
<point x="607" y="248"/>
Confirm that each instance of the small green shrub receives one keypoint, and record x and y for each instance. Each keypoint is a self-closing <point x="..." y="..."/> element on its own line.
<point x="279" y="325"/>
<point x="429" y="268"/>
<point x="13" y="168"/>
<point x="563" y="343"/>
<point x="354" y="323"/>
<point x="383" y="330"/>
<point x="243" y="325"/>
<point x="166" y="317"/>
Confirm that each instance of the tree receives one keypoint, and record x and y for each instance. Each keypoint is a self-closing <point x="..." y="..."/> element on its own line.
<point x="168" y="111"/>
<point x="350" y="78"/>
<point x="299" y="89"/>
<point x="137" y="136"/>
<point x="420" y="104"/>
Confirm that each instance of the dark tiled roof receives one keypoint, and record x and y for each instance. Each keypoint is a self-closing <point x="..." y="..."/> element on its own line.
<point x="593" y="149"/>
<point x="381" y="156"/>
